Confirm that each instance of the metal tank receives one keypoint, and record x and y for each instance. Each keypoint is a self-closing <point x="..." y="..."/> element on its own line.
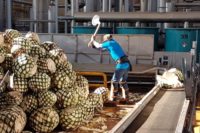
<point x="179" y="39"/>
<point x="143" y="30"/>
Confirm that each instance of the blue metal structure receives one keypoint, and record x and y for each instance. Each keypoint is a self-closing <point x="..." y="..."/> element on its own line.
<point x="179" y="39"/>
<point x="91" y="30"/>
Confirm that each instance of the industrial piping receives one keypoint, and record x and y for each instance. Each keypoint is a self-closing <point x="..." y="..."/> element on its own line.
<point x="138" y="16"/>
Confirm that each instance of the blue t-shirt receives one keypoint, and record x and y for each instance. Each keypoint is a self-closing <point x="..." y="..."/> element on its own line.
<point x="116" y="52"/>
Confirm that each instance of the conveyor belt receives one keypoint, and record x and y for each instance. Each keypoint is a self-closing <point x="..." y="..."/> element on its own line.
<point x="161" y="114"/>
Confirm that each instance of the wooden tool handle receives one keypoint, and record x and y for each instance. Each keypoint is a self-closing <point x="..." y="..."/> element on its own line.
<point x="97" y="29"/>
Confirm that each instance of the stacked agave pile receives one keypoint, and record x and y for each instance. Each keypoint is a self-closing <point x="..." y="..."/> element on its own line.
<point x="43" y="90"/>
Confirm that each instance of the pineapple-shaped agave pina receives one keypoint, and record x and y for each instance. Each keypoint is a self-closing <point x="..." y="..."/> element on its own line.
<point x="67" y="97"/>
<point x="37" y="51"/>
<point x="24" y="66"/>
<point x="46" y="65"/>
<point x="46" y="99"/>
<point x="33" y="37"/>
<point x="29" y="103"/>
<point x="10" y="34"/>
<point x="65" y="67"/>
<point x="44" y="119"/>
<point x="2" y="87"/>
<point x="58" y="56"/>
<point x="40" y="82"/>
<point x="8" y="62"/>
<point x="10" y="98"/>
<point x="20" y="45"/>
<point x="63" y="80"/>
<point x="2" y="54"/>
<point x="72" y="118"/>
<point x="48" y="45"/>
<point x="102" y="91"/>
<point x="93" y="102"/>
<point x="82" y="88"/>
<point x="18" y="84"/>
<point x="12" y="119"/>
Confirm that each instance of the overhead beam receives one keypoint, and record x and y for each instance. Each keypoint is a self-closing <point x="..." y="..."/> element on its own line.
<point x="139" y="16"/>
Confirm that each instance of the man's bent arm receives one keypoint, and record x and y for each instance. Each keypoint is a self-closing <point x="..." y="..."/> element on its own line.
<point x="96" y="44"/>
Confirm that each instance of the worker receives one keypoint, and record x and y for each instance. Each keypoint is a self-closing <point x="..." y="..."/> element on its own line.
<point x="123" y="65"/>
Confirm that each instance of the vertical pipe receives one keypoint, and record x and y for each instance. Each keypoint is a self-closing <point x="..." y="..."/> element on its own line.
<point x="143" y="5"/>
<point x="137" y="24"/>
<point x="186" y="23"/>
<point x="152" y="6"/>
<point x="170" y="6"/>
<point x="143" y="8"/>
<point x="89" y="5"/>
<point x="34" y="10"/>
<point x="42" y="6"/>
<point x="9" y="13"/>
<point x="1" y="14"/>
<point x="51" y="17"/>
<point x="126" y="5"/>
<point x="120" y="5"/>
<point x="109" y="5"/>
<point x="105" y="6"/>
<point x="109" y="9"/>
<point x="66" y="10"/>
<point x="72" y="14"/>
<point x="76" y="5"/>
<point x="161" y="7"/>
<point x="56" y="15"/>
<point x="104" y="9"/>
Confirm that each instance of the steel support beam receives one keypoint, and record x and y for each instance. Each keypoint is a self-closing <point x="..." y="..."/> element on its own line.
<point x="140" y="16"/>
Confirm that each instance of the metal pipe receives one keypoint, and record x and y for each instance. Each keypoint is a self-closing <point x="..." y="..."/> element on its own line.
<point x="77" y="5"/>
<point x="72" y="14"/>
<point x="34" y="9"/>
<point x="126" y="5"/>
<point x="109" y="5"/>
<point x="51" y="16"/>
<point x="1" y="14"/>
<point x="105" y="6"/>
<point x="143" y="5"/>
<point x="152" y="6"/>
<point x="186" y="23"/>
<point x="9" y="13"/>
<point x="104" y="9"/>
<point x="169" y="8"/>
<point x="137" y="24"/>
<point x="120" y="5"/>
<point x="140" y="16"/>
<point x="66" y="10"/>
<point x="89" y="5"/>
<point x="56" y="15"/>
<point x="161" y="7"/>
